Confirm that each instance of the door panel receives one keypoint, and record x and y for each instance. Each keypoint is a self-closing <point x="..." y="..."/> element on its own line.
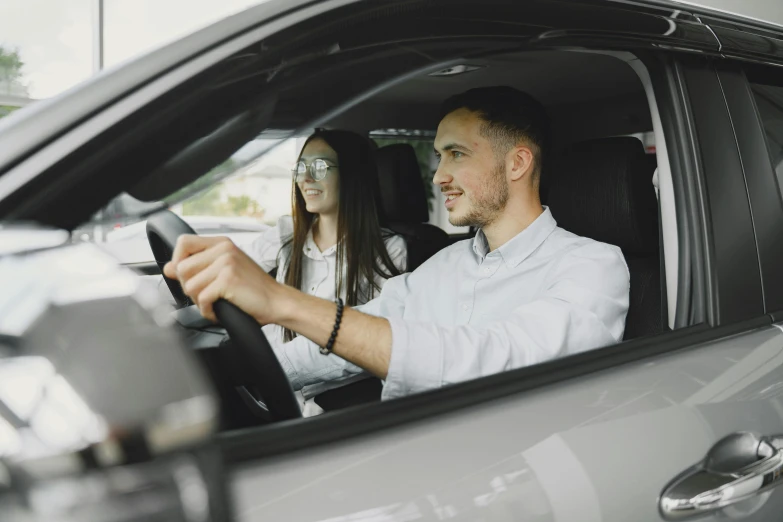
<point x="755" y="97"/>
<point x="601" y="447"/>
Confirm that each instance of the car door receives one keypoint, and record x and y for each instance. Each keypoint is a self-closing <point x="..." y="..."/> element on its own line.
<point x="609" y="435"/>
<point x="754" y="94"/>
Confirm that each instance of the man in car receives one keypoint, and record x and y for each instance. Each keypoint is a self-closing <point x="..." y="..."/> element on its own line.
<point x="521" y="292"/>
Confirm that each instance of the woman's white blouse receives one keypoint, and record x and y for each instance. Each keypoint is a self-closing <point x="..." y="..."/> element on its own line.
<point x="318" y="271"/>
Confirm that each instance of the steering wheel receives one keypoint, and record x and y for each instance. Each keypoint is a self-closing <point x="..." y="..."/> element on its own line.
<point x="250" y="347"/>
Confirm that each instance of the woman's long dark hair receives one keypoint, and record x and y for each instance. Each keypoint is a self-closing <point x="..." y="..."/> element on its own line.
<point x="361" y="251"/>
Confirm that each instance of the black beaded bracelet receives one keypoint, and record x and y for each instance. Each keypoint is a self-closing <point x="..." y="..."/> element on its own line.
<point x="326" y="350"/>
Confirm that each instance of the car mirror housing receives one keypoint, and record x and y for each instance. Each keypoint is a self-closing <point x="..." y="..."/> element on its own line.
<point x="98" y="396"/>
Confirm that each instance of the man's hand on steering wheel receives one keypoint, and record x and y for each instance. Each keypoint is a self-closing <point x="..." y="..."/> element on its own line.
<point x="215" y="272"/>
<point x="211" y="268"/>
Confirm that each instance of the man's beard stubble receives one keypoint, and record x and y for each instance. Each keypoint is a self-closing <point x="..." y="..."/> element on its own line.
<point x="488" y="204"/>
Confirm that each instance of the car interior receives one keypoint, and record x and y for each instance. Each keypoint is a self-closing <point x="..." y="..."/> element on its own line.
<point x="598" y="180"/>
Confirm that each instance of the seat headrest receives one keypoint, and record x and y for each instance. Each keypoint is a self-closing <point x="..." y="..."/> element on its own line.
<point x="602" y="189"/>
<point x="403" y="195"/>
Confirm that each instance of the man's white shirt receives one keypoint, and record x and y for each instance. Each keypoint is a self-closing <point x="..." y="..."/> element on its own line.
<point x="467" y="312"/>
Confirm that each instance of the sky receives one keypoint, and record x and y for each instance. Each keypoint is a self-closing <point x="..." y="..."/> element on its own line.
<point x="55" y="37"/>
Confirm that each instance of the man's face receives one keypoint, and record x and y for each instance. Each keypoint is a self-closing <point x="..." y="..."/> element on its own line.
<point x="470" y="174"/>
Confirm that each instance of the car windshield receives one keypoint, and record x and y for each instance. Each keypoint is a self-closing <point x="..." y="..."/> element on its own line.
<point x="240" y="198"/>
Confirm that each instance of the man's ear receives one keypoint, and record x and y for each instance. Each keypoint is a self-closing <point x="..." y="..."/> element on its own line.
<point x="521" y="162"/>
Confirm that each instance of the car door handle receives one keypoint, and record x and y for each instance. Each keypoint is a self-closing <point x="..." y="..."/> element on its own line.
<point x="737" y="467"/>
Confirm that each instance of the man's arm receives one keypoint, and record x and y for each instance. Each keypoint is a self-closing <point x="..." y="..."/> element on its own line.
<point x="211" y="268"/>
<point x="364" y="340"/>
<point x="582" y="307"/>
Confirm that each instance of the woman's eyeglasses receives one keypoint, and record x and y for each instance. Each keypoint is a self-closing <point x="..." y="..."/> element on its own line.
<point x="318" y="170"/>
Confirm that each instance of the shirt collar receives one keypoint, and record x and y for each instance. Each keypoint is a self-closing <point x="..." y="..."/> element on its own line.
<point x="312" y="251"/>
<point x="519" y="247"/>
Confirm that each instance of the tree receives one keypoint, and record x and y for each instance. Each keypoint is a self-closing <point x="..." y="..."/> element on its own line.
<point x="11" y="65"/>
<point x="243" y="205"/>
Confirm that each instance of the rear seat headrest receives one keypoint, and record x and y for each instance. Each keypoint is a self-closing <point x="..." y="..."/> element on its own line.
<point x="403" y="195"/>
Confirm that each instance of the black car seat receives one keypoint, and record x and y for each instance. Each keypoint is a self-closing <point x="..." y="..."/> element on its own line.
<point x="602" y="189"/>
<point x="404" y="203"/>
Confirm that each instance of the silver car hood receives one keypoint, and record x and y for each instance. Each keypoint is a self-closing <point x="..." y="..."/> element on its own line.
<point x="89" y="363"/>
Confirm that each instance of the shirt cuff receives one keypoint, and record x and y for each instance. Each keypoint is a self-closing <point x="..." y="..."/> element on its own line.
<point x="416" y="362"/>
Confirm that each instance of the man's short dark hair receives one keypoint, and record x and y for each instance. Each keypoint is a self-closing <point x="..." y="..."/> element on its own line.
<point x="510" y="115"/>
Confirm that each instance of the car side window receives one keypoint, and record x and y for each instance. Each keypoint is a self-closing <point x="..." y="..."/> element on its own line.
<point x="767" y="89"/>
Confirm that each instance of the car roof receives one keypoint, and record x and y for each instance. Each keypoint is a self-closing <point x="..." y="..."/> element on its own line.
<point x="584" y="79"/>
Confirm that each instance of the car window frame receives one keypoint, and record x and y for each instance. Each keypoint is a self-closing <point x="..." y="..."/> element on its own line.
<point x="669" y="73"/>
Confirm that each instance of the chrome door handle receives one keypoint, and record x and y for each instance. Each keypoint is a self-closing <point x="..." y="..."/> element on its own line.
<point x="737" y="467"/>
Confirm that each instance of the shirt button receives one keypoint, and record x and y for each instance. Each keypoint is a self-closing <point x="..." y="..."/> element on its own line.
<point x="465" y="307"/>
